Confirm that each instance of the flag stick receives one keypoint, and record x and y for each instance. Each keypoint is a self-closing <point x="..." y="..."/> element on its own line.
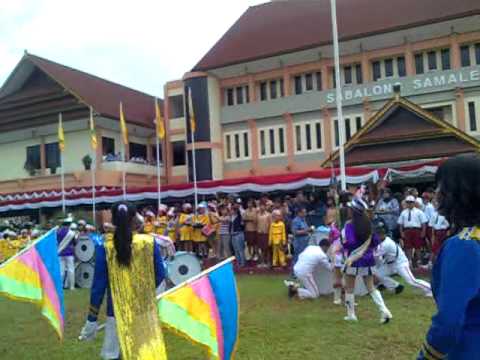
<point x="124" y="175"/>
<point x="159" y="185"/>
<point x="341" y="124"/>
<point x="194" y="166"/>
<point x="196" y="277"/>
<point x="94" y="165"/>
<point x="62" y="171"/>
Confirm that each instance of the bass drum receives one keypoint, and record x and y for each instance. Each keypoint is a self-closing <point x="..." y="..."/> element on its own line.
<point x="84" y="275"/>
<point x="85" y="249"/>
<point x="182" y="267"/>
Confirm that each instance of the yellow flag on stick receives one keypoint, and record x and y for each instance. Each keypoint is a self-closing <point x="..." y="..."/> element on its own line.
<point x="123" y="126"/>
<point x="159" y="121"/>
<point x="93" y="133"/>
<point x="61" y="135"/>
<point x="193" y="122"/>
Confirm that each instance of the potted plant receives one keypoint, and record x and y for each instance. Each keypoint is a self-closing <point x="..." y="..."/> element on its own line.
<point x="29" y="167"/>
<point x="87" y="162"/>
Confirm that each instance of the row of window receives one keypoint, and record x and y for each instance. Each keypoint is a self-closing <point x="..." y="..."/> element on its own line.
<point x="470" y="54"/>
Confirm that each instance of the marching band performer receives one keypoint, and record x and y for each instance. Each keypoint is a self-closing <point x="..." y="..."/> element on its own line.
<point x="66" y="245"/>
<point x="128" y="269"/>
<point x="185" y="221"/>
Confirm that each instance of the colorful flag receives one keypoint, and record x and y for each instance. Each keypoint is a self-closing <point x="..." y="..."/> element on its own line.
<point x="123" y="126"/>
<point x="33" y="275"/>
<point x="193" y="121"/>
<point x="205" y="310"/>
<point x="61" y="135"/>
<point x="93" y="133"/>
<point x="159" y="121"/>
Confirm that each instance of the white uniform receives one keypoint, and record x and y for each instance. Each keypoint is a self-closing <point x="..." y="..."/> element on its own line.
<point x="412" y="218"/>
<point x="429" y="211"/>
<point x="438" y="222"/>
<point x="311" y="260"/>
<point x="393" y="261"/>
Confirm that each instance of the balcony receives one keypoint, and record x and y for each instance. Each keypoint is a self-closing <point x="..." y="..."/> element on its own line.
<point x="131" y="168"/>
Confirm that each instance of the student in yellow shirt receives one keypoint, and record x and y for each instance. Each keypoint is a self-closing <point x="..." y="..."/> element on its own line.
<point x="278" y="239"/>
<point x="185" y="222"/>
<point x="162" y="220"/>
<point x="172" y="224"/>
<point x="149" y="224"/>
<point x="201" y="219"/>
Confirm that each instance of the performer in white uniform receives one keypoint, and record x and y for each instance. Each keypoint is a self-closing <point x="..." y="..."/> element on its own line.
<point x="392" y="260"/>
<point x="311" y="260"/>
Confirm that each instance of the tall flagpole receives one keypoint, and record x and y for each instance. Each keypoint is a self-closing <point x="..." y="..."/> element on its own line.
<point x="159" y="185"/>
<point x="341" y="124"/>
<point x="194" y="162"/>
<point x="94" y="165"/>
<point x="124" y="175"/>
<point x="62" y="168"/>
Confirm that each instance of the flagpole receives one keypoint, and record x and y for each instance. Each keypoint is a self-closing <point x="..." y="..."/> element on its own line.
<point x="124" y="175"/>
<point x="93" y="169"/>
<point x="341" y="124"/>
<point x="159" y="185"/>
<point x="62" y="169"/>
<point x="194" y="166"/>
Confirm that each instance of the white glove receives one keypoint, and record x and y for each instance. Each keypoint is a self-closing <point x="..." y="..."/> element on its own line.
<point x="89" y="331"/>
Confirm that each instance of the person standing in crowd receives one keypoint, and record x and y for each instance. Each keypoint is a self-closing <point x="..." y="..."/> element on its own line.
<point x="316" y="212"/>
<point x="264" y="219"/>
<point x="250" y="219"/>
<point x="149" y="225"/>
<point x="162" y="220"/>
<point x="310" y="261"/>
<point x="331" y="214"/>
<point x="200" y="221"/>
<point x="301" y="233"/>
<point x="171" y="229"/>
<point x="455" y="329"/>
<point x="360" y="244"/>
<point x="128" y="269"/>
<point x="388" y="210"/>
<point x="278" y="239"/>
<point x="66" y="245"/>
<point x="338" y="261"/>
<point x="185" y="222"/>
<point x="214" y="218"/>
<point x="412" y="222"/>
<point x="392" y="260"/>
<point x="440" y="231"/>
<point x="237" y="234"/>
<point x="224" y="244"/>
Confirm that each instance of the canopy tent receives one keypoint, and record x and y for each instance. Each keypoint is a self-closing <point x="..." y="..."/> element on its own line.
<point x="259" y="184"/>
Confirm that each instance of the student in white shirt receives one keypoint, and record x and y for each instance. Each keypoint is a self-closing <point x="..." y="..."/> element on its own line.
<point x="413" y="226"/>
<point x="314" y="258"/>
<point x="391" y="261"/>
<point x="440" y="232"/>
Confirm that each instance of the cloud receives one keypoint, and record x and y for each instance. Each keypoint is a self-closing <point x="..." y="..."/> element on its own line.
<point x="141" y="43"/>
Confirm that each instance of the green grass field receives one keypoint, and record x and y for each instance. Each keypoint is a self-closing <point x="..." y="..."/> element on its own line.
<point x="271" y="328"/>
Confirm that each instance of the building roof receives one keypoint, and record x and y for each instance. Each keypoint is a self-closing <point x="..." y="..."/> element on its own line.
<point x="403" y="131"/>
<point x="102" y="95"/>
<point x="280" y="27"/>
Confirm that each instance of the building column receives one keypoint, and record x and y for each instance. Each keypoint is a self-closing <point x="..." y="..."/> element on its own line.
<point x="289" y="141"/>
<point x="455" y="52"/>
<point x="460" y="109"/>
<point x="325" y="77"/>
<point x="43" y="156"/>
<point x="409" y="60"/>
<point x="287" y="87"/>
<point x="252" y="126"/>
<point x="367" y="110"/>
<point x="366" y="68"/>
<point x="252" y="93"/>
<point x="327" y="130"/>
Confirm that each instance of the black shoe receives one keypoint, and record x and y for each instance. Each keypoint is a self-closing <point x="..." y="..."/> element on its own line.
<point x="292" y="292"/>
<point x="399" y="289"/>
<point x="381" y="287"/>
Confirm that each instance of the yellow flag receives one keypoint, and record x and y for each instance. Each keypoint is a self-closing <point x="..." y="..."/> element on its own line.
<point x="193" y="122"/>
<point x="159" y="121"/>
<point x="123" y="126"/>
<point x="61" y="135"/>
<point x="93" y="133"/>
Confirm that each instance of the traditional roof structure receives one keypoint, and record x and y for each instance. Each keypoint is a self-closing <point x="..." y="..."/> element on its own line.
<point x="403" y="131"/>
<point x="281" y="27"/>
<point x="42" y="83"/>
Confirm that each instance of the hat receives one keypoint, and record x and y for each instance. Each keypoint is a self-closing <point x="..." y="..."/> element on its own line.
<point x="410" y="199"/>
<point x="239" y="201"/>
<point x="163" y="208"/>
<point x="81" y="223"/>
<point x="276" y="213"/>
<point x="202" y="205"/>
<point x="187" y="206"/>
<point x="150" y="214"/>
<point x="171" y="212"/>
<point x="67" y="220"/>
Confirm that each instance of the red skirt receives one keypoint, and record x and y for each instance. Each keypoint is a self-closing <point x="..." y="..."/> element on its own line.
<point x="412" y="239"/>
<point x="251" y="238"/>
<point x="440" y="237"/>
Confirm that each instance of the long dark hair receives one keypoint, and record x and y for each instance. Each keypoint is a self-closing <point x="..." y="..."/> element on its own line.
<point x="122" y="217"/>
<point x="362" y="225"/>
<point x="458" y="181"/>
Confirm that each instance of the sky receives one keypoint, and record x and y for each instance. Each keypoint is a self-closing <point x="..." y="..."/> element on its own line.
<point x="141" y="44"/>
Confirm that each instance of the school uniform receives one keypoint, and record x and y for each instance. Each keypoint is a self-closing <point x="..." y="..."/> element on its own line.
<point x="185" y="223"/>
<point x="310" y="261"/>
<point x="277" y="240"/>
<point x="162" y="225"/>
<point x="412" y="221"/>
<point x="392" y="260"/>
<point x="440" y="227"/>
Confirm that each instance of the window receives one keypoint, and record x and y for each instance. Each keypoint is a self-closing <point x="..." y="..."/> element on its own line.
<point x="358" y="73"/>
<point x="154" y="153"/>
<point x="282" y="88"/>
<point x="52" y="155"/>
<point x="237" y="145"/>
<point x="348" y="74"/>
<point x="308" y="136"/>
<point x="348" y="131"/>
<point x="419" y="64"/>
<point x="298" y="85"/>
<point x="179" y="158"/>
<point x="246" y="149"/>
<point x="432" y="60"/>
<point x="272" y="141"/>
<point x="318" y="135"/>
<point x="230" y="100"/>
<point x="108" y="146"/>
<point x="263" y="91"/>
<point x="472" y="116"/>
<point x="377" y="74"/>
<point x="273" y="89"/>
<point x="402" y="71"/>
<point x="176" y="108"/>
<point x="318" y="76"/>
<point x="308" y="82"/>
<point x="337" y="133"/>
<point x="239" y="95"/>
<point x="228" y="147"/>
<point x="138" y="151"/>
<point x="247" y="93"/>
<point x="465" y="55"/>
<point x="353" y="123"/>
<point x="358" y="122"/>
<point x="445" y="55"/>
<point x="33" y="157"/>
<point x="389" y="67"/>
<point x="477" y="54"/>
<point x="334" y="79"/>
<point x="298" y="137"/>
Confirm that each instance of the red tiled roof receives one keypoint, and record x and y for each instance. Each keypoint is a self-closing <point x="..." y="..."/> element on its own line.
<point x="285" y="26"/>
<point x="103" y="95"/>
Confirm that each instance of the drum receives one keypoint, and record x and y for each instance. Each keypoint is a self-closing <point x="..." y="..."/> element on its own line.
<point x="183" y="267"/>
<point x="84" y="249"/>
<point x="84" y="275"/>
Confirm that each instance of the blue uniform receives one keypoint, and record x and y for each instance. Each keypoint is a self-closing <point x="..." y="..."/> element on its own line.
<point x="455" y="330"/>
<point x="101" y="286"/>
